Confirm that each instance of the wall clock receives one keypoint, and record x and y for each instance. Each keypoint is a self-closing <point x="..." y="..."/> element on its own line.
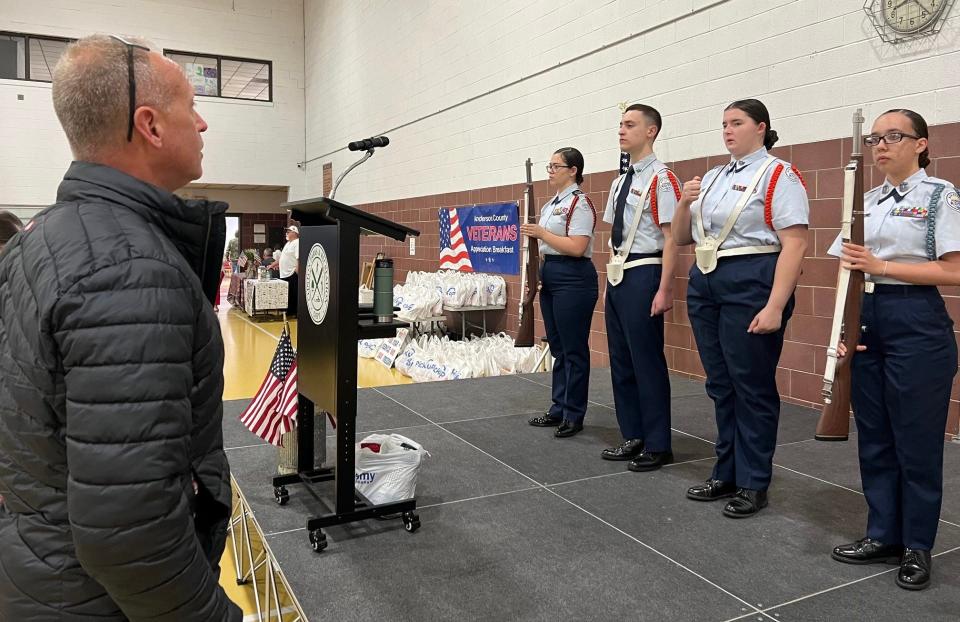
<point x="902" y="20"/>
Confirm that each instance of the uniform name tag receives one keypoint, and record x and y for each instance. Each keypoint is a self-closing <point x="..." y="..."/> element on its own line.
<point x="635" y="191"/>
<point x="738" y="188"/>
<point x="910" y="212"/>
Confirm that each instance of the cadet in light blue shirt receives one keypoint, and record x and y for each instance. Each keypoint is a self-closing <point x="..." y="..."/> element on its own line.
<point x="568" y="289"/>
<point x="901" y="380"/>
<point x="640" y="279"/>
<point x="749" y="220"/>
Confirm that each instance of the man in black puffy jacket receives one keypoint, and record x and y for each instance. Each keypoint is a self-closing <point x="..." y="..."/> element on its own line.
<point x="115" y="485"/>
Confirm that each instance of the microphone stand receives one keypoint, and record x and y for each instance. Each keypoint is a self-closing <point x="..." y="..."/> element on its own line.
<point x="350" y="168"/>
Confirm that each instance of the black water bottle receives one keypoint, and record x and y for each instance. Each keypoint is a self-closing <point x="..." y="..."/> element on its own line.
<point x="383" y="290"/>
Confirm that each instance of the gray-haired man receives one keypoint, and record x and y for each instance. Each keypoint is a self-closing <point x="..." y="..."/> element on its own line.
<point x="115" y="484"/>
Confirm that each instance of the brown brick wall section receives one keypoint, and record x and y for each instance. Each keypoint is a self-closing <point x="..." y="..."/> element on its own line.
<point x="804" y="353"/>
<point x="246" y="227"/>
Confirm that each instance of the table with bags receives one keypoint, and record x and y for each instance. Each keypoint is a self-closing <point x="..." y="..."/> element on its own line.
<point x="426" y="297"/>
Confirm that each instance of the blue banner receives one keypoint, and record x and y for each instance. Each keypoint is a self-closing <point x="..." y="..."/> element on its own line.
<point x="482" y="238"/>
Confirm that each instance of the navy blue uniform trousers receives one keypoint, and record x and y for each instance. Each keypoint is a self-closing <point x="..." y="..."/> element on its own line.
<point x="741" y="367"/>
<point x="901" y="394"/>
<point x="568" y="294"/>
<point x="638" y="368"/>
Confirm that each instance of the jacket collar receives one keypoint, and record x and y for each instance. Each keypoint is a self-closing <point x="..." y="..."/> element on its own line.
<point x="196" y="227"/>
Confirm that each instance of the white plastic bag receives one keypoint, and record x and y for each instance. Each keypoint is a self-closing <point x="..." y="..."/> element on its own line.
<point x="389" y="474"/>
<point x="391" y="348"/>
<point x="367" y="348"/>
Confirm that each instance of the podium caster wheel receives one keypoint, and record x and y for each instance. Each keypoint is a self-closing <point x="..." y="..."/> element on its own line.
<point x="411" y="522"/>
<point x="318" y="540"/>
<point x="281" y="495"/>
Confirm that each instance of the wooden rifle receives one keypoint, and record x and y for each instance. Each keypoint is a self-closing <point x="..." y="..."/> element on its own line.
<point x="530" y="275"/>
<point x="834" y="423"/>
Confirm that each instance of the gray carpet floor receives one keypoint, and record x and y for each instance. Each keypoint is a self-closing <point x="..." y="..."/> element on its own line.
<point x="519" y="525"/>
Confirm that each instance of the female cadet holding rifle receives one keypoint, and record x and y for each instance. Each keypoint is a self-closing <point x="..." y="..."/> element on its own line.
<point x="750" y="226"/>
<point x="903" y="370"/>
<point x="568" y="289"/>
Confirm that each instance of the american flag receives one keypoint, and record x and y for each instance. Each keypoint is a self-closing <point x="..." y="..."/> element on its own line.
<point x="273" y="410"/>
<point x="453" y="251"/>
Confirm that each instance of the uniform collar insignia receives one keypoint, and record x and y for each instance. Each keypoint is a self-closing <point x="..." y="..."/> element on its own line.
<point x="639" y="165"/>
<point x="904" y="188"/>
<point x="738" y="165"/>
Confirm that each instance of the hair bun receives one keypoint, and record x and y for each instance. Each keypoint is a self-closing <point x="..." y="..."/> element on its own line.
<point x="770" y="139"/>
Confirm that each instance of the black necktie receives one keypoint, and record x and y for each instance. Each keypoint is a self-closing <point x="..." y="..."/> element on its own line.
<point x="617" y="233"/>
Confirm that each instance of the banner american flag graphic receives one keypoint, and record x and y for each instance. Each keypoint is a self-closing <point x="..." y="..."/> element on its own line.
<point x="273" y="410"/>
<point x="453" y="250"/>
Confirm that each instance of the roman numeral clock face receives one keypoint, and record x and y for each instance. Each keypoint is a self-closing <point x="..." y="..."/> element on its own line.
<point x="910" y="16"/>
<point x="317" y="284"/>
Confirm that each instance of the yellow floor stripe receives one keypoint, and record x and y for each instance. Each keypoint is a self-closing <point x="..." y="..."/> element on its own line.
<point x="248" y="347"/>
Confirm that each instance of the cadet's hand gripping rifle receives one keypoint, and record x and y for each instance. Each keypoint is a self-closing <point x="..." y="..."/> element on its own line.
<point x="530" y="275"/>
<point x="834" y="423"/>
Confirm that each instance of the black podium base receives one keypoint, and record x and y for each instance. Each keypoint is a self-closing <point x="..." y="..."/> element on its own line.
<point x="363" y="509"/>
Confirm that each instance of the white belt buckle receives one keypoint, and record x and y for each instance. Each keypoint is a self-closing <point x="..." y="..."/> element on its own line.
<point x="868" y="287"/>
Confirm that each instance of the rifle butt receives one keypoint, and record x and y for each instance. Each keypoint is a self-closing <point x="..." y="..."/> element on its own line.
<point x="834" y="422"/>
<point x="525" y="332"/>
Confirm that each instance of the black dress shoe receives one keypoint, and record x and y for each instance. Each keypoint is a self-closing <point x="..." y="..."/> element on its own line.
<point x="627" y="450"/>
<point x="868" y="551"/>
<point x="546" y="421"/>
<point x="914" y="570"/>
<point x="746" y="503"/>
<point x="568" y="429"/>
<point x="711" y="490"/>
<point x="650" y="461"/>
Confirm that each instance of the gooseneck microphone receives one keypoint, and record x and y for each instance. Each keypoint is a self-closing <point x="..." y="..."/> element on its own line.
<point x="368" y="143"/>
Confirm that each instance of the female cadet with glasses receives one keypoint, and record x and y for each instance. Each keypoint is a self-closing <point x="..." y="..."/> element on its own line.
<point x="568" y="289"/>
<point x="904" y="370"/>
<point x="750" y="226"/>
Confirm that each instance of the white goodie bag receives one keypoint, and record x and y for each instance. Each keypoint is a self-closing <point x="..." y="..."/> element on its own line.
<point x="387" y="466"/>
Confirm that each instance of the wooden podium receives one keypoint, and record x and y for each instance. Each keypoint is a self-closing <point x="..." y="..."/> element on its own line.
<point x="329" y="323"/>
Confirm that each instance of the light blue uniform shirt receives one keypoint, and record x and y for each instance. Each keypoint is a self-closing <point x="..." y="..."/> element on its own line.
<point x="897" y="223"/>
<point x="765" y="212"/>
<point x="557" y="218"/>
<point x="649" y="238"/>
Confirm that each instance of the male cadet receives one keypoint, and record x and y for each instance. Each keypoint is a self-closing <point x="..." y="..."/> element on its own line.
<point x="639" y="292"/>
<point x="116" y="488"/>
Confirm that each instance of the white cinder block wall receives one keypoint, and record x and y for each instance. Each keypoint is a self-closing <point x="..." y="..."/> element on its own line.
<point x="477" y="87"/>
<point x="247" y="143"/>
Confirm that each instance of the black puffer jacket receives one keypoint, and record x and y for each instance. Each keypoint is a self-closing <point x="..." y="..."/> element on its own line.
<point x="111" y="383"/>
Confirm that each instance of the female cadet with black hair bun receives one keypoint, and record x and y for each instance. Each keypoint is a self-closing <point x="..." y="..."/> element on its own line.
<point x="749" y="222"/>
<point x="902" y="378"/>
<point x="568" y="289"/>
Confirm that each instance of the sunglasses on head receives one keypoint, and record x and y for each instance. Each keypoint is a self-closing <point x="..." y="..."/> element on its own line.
<point x="131" y="80"/>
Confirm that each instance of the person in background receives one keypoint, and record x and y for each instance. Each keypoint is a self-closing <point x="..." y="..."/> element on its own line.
<point x="268" y="261"/>
<point x="116" y="487"/>
<point x="225" y="269"/>
<point x="10" y="225"/>
<point x="287" y="265"/>
<point x="568" y="289"/>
